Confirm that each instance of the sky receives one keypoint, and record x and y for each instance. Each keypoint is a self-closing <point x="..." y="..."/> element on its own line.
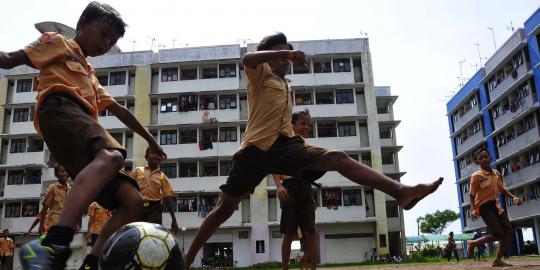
<point x="416" y="48"/>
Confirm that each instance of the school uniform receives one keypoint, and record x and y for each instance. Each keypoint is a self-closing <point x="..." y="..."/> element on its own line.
<point x="269" y="145"/>
<point x="68" y="101"/>
<point x="6" y="253"/>
<point x="54" y="200"/>
<point x="99" y="217"/>
<point x="154" y="186"/>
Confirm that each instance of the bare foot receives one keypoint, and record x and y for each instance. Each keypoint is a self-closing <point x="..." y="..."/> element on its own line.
<point x="470" y="249"/>
<point x="412" y="195"/>
<point x="500" y="263"/>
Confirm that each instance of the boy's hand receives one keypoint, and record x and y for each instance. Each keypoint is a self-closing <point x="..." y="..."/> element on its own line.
<point x="298" y="57"/>
<point x="282" y="193"/>
<point x="517" y="201"/>
<point x="475" y="215"/>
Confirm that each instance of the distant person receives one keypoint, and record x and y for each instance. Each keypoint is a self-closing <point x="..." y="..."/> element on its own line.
<point x="97" y="217"/>
<point x="6" y="251"/>
<point x="451" y="247"/>
<point x="486" y="185"/>
<point x="54" y="201"/>
<point x="480" y="255"/>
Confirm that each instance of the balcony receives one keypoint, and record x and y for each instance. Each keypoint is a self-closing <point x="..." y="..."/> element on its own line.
<point x="198" y="184"/>
<point x="17" y="224"/>
<point x="519" y="142"/>
<point x="192" y="150"/>
<point x="24" y="97"/>
<point x="22" y="128"/>
<point x="463" y="120"/>
<point x="315" y="79"/>
<point x="333" y="179"/>
<point x="18" y="159"/>
<point x="524" y="105"/>
<point x="385" y="117"/>
<point x="111" y="122"/>
<point x="338" y="143"/>
<point x="329" y="110"/>
<point x="342" y="213"/>
<point x="474" y="225"/>
<point x="200" y="85"/>
<point x="508" y="82"/>
<point x="117" y="90"/>
<point x="466" y="198"/>
<point x="524" y="175"/>
<point x="196" y="117"/>
<point x="387" y="142"/>
<point x="527" y="209"/>
<point x="22" y="191"/>
<point x="470" y="142"/>
<point x="193" y="220"/>
<point x="390" y="168"/>
<point x="468" y="170"/>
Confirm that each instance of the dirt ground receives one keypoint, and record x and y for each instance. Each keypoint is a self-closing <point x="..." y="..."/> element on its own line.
<point x="518" y="262"/>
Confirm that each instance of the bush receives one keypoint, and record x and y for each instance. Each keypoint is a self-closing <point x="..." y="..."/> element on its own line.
<point x="432" y="251"/>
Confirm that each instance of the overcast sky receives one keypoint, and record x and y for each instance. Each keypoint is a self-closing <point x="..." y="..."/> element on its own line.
<point x="416" y="47"/>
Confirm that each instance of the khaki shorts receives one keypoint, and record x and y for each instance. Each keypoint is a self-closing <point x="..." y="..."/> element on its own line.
<point x="497" y="225"/>
<point x="74" y="138"/>
<point x="299" y="209"/>
<point x="287" y="156"/>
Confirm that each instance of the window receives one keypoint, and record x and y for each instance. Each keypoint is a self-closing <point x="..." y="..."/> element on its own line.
<point x="300" y="69"/>
<point x="342" y="65"/>
<point x="32" y="177"/>
<point x="15" y="177"/>
<point x="383" y="108"/>
<point x="225" y="167"/>
<point x="208" y="102"/>
<point x="17" y="146"/>
<point x="209" y="135"/>
<point x="187" y="204"/>
<point x="13" y="210"/>
<point x="188" y="169"/>
<point x="21" y="115"/>
<point x="209" y="168"/>
<point x="346" y="129"/>
<point x="209" y="72"/>
<point x="387" y="158"/>
<point x="227" y="102"/>
<point x="227" y="134"/>
<point x="227" y="70"/>
<point x="30" y="208"/>
<point x="352" y="197"/>
<point x="259" y="246"/>
<point x="344" y="96"/>
<point x="119" y="137"/>
<point x="167" y="137"/>
<point x="326" y="129"/>
<point x="103" y="79"/>
<point x="35" y="145"/>
<point x="326" y="97"/>
<point x="331" y="197"/>
<point x="188" y="103"/>
<point x="392" y="209"/>
<point x="385" y="133"/>
<point x="322" y="66"/>
<point x="303" y="98"/>
<point x="188" y="136"/>
<point x="382" y="240"/>
<point x="24" y="85"/>
<point x="169" y="105"/>
<point x="169" y="169"/>
<point x="118" y="78"/>
<point x="188" y="73"/>
<point x="169" y="74"/>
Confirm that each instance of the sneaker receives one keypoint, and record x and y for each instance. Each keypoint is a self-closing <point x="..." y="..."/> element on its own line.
<point x="90" y="263"/>
<point x="35" y="256"/>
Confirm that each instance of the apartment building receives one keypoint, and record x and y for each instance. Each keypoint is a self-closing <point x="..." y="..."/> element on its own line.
<point x="498" y="109"/>
<point x="193" y="100"/>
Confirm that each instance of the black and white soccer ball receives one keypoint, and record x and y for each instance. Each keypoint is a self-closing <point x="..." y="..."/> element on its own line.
<point x="141" y="246"/>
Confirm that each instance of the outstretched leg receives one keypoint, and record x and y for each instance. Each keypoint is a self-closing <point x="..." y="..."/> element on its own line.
<point x="223" y="211"/>
<point x="407" y="196"/>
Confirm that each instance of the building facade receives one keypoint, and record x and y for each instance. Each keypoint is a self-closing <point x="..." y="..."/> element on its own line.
<point x="498" y="109"/>
<point x="193" y="100"/>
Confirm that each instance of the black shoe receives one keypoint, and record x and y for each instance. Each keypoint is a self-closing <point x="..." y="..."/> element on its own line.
<point x="35" y="256"/>
<point x="90" y="263"/>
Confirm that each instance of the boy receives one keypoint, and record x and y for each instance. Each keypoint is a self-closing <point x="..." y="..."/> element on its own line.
<point x="6" y="251"/>
<point x="68" y="102"/>
<point x="486" y="185"/>
<point x="269" y="145"/>
<point x="451" y="247"/>
<point x="97" y="217"/>
<point x="297" y="204"/>
<point x="54" y="200"/>
<point x="155" y="190"/>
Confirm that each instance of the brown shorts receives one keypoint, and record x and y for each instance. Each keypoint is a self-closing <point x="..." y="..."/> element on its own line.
<point x="497" y="225"/>
<point x="152" y="212"/>
<point x="299" y="209"/>
<point x="74" y="138"/>
<point x="287" y="156"/>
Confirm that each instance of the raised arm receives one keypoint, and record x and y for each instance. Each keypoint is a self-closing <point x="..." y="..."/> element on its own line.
<point x="130" y="121"/>
<point x="13" y="59"/>
<point x="253" y="59"/>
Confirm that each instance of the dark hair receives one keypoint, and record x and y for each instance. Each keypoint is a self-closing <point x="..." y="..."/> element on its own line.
<point x="272" y="40"/>
<point x="451" y="233"/>
<point x="5" y="230"/>
<point x="479" y="151"/>
<point x="147" y="151"/>
<point x="96" y="10"/>
<point x="296" y="115"/>
<point x="57" y="167"/>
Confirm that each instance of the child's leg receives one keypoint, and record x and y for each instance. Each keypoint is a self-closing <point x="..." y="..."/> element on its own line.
<point x="129" y="210"/>
<point x="407" y="196"/>
<point x="471" y="244"/>
<point x="223" y="211"/>
<point x="286" y="251"/>
<point x="312" y="249"/>
<point x="88" y="185"/>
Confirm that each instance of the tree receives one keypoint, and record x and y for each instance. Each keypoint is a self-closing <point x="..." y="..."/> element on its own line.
<point x="436" y="223"/>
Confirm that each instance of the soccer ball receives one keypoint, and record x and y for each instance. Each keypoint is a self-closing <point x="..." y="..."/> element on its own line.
<point x="141" y="246"/>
